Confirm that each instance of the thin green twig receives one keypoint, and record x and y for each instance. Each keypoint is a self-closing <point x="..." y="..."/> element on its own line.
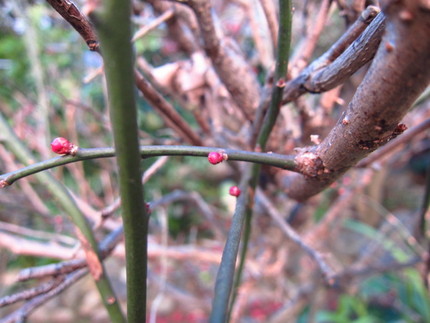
<point x="284" y="41"/>
<point x="271" y="159"/>
<point x="113" y="24"/>
<point x="224" y="280"/>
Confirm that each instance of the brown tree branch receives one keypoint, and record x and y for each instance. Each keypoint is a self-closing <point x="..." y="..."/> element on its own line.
<point x="68" y="10"/>
<point x="182" y="21"/>
<point x="351" y="59"/>
<point x="396" y="144"/>
<point x="353" y="50"/>
<point x="381" y="101"/>
<point x="230" y="66"/>
<point x="31" y="293"/>
<point x="20" y="314"/>
<point x="168" y="112"/>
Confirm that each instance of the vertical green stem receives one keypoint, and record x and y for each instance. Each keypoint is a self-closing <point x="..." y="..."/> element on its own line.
<point x="284" y="40"/>
<point x="224" y="281"/>
<point x="114" y="29"/>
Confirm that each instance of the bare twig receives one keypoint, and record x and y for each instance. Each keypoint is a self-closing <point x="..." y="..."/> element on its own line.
<point x="105" y="247"/>
<point x="229" y="65"/>
<point x="395" y="144"/>
<point x="342" y="59"/>
<point x="68" y="10"/>
<point x="31" y="293"/>
<point x="277" y="160"/>
<point x="352" y="58"/>
<point x="107" y="211"/>
<point x="170" y="115"/>
<point x="181" y="25"/>
<point x="306" y="49"/>
<point x="154" y="24"/>
<point x="36" y="234"/>
<point x="325" y="269"/>
<point x="23" y="312"/>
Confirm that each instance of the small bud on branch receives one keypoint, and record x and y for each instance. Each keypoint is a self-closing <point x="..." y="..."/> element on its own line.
<point x="234" y="191"/>
<point x="216" y="157"/>
<point x="62" y="146"/>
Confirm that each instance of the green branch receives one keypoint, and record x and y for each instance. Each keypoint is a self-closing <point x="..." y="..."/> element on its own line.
<point x="284" y="40"/>
<point x="270" y="159"/>
<point x="113" y="25"/>
<point x="225" y="276"/>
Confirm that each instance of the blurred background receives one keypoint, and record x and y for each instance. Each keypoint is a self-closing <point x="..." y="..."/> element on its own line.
<point x="364" y="225"/>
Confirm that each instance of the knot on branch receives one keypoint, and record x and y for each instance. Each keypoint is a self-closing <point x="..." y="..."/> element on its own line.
<point x="3" y="183"/>
<point x="310" y="164"/>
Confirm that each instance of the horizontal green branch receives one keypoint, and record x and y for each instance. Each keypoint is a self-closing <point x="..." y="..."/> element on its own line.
<point x="271" y="159"/>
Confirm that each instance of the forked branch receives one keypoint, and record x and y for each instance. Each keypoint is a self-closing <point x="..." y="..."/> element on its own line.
<point x="383" y="98"/>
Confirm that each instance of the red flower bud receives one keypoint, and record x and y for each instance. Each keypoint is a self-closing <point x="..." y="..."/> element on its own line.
<point x="234" y="191"/>
<point x="215" y="157"/>
<point x="62" y="146"/>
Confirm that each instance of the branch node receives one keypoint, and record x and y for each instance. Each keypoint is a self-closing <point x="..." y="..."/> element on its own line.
<point x="370" y="13"/>
<point x="311" y="165"/>
<point x="281" y="83"/>
<point x="389" y="47"/>
<point x="3" y="183"/>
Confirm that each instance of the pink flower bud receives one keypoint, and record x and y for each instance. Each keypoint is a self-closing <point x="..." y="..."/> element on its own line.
<point x="215" y="157"/>
<point x="234" y="191"/>
<point x="62" y="146"/>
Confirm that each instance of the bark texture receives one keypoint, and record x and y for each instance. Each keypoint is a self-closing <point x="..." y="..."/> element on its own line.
<point x="399" y="72"/>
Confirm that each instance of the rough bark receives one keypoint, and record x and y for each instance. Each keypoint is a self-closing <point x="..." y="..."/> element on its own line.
<point x="399" y="72"/>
